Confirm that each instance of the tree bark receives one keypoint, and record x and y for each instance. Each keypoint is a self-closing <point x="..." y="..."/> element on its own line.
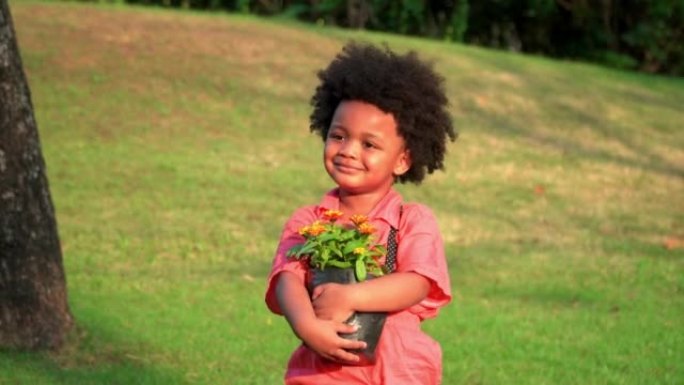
<point x="34" y="313"/>
<point x="358" y="13"/>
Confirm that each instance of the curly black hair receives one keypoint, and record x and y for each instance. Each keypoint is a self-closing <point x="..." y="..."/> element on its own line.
<point x="402" y="85"/>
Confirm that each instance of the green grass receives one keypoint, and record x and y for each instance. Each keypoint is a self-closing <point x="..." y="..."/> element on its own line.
<point x="177" y="145"/>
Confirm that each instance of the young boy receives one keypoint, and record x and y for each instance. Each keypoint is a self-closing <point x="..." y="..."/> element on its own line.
<point x="384" y="119"/>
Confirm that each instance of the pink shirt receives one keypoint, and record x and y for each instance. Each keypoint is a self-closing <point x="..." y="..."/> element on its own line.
<point x="405" y="355"/>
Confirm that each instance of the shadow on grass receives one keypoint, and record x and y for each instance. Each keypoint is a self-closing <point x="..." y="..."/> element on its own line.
<point x="89" y="357"/>
<point x="648" y="159"/>
<point x="612" y="91"/>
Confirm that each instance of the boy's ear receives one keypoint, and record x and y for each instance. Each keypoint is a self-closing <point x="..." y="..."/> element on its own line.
<point x="403" y="163"/>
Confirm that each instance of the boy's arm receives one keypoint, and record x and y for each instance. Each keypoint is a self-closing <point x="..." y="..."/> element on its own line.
<point x="319" y="335"/>
<point x="389" y="293"/>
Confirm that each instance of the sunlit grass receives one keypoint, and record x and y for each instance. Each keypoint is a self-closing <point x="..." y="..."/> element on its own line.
<point x="177" y="144"/>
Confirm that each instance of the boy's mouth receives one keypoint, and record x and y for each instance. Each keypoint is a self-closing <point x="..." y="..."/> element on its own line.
<point x="346" y="168"/>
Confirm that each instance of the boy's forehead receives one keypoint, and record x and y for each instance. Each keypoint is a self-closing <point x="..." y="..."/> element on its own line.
<point x="364" y="119"/>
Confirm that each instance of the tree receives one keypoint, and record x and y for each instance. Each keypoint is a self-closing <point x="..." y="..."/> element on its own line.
<point x="34" y="313"/>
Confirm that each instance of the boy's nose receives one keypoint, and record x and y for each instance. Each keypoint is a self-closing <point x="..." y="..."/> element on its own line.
<point x="349" y="149"/>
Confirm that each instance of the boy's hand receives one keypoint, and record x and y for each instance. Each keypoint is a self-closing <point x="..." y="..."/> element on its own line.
<point x="322" y="337"/>
<point x="318" y="334"/>
<point x="333" y="301"/>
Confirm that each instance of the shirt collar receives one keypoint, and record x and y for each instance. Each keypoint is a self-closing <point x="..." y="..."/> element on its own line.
<point x="386" y="210"/>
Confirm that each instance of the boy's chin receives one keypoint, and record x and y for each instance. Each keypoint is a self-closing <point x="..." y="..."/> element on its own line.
<point x="349" y="189"/>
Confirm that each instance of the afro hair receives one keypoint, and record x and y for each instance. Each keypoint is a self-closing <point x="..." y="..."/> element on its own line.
<point x="402" y="85"/>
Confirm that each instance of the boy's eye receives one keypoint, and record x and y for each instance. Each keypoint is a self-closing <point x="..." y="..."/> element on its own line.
<point x="335" y="136"/>
<point x="369" y="145"/>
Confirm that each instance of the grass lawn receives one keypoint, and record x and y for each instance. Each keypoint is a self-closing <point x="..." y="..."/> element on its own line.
<point x="177" y="145"/>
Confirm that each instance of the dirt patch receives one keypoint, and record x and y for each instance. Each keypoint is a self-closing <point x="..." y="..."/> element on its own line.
<point x="176" y="39"/>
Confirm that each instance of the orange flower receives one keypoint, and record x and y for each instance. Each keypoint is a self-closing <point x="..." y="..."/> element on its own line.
<point x="332" y="215"/>
<point x="358" y="219"/>
<point x="316" y="229"/>
<point x="366" y="228"/>
<point x="304" y="230"/>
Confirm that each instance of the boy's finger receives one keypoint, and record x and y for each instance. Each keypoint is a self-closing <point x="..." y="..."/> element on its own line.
<point x="353" y="344"/>
<point x="316" y="292"/>
<point x="345" y="356"/>
<point x="344" y="328"/>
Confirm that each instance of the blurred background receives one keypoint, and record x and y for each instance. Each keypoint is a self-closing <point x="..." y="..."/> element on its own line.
<point x="640" y="35"/>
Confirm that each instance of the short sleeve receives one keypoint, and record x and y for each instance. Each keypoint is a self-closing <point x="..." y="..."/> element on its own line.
<point x="289" y="237"/>
<point x="421" y="250"/>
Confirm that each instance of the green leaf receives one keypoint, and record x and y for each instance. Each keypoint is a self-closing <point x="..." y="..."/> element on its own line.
<point x="326" y="237"/>
<point x="306" y="249"/>
<point x="352" y="245"/>
<point x="292" y="253"/>
<point x="378" y="251"/>
<point x="340" y="264"/>
<point x="360" y="270"/>
<point x="336" y="250"/>
<point x="375" y="270"/>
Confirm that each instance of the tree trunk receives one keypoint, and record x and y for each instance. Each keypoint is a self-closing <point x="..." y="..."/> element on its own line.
<point x="34" y="313"/>
<point x="358" y="13"/>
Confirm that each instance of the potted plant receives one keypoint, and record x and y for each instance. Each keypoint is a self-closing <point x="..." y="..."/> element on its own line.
<point x="345" y="254"/>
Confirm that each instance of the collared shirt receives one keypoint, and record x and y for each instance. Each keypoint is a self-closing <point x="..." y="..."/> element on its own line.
<point x="421" y="251"/>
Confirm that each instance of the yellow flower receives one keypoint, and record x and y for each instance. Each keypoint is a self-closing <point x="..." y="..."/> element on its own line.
<point x="358" y="219"/>
<point x="359" y="250"/>
<point x="332" y="215"/>
<point x="366" y="228"/>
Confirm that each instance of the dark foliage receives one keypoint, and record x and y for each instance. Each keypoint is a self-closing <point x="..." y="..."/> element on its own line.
<point x="641" y="35"/>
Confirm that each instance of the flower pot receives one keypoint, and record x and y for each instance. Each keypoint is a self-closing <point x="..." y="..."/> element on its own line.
<point x="370" y="324"/>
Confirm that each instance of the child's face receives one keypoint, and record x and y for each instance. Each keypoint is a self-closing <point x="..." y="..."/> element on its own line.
<point x="363" y="150"/>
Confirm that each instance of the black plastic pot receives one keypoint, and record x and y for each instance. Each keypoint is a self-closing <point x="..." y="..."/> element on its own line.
<point x="370" y="324"/>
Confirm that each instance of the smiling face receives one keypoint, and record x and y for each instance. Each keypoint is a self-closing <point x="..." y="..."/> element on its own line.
<point x="363" y="150"/>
